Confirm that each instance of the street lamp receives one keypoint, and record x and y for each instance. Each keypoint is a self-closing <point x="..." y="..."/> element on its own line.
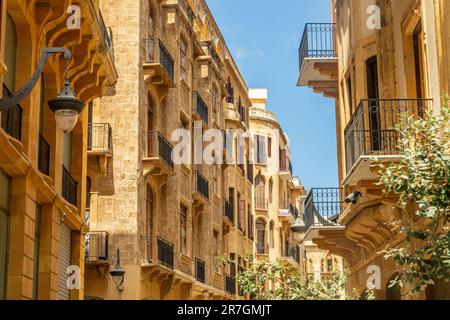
<point x="65" y="106"/>
<point x="118" y="274"/>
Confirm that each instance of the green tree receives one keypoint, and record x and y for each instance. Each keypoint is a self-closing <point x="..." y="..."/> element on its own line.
<point x="421" y="181"/>
<point x="279" y="280"/>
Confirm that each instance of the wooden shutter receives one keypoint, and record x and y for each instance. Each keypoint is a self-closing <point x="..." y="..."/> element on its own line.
<point x="64" y="261"/>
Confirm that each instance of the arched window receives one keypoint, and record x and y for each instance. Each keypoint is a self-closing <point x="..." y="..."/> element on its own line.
<point x="272" y="234"/>
<point x="149" y="218"/>
<point x="261" y="236"/>
<point x="260" y="193"/>
<point x="393" y="293"/>
<point x="270" y="190"/>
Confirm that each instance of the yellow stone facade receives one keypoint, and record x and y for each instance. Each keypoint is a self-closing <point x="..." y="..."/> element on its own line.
<point x="40" y="167"/>
<point x="385" y="58"/>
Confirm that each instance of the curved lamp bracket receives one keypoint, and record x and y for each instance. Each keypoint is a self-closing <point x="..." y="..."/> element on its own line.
<point x="9" y="102"/>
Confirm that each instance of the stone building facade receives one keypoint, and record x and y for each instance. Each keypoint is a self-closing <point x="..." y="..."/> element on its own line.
<point x="275" y="190"/>
<point x="42" y="169"/>
<point x="378" y="60"/>
<point x="171" y="222"/>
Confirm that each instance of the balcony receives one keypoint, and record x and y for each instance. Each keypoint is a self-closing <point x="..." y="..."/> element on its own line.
<point x="230" y="285"/>
<point x="43" y="156"/>
<point x="323" y="206"/>
<point x="69" y="187"/>
<point x="212" y="54"/>
<point x="187" y="11"/>
<point x="288" y="213"/>
<point x="292" y="255"/>
<point x="200" y="109"/>
<point x="201" y="189"/>
<point x="200" y="270"/>
<point x="371" y="134"/>
<point x="159" y="66"/>
<point x="99" y="139"/>
<point x="158" y="160"/>
<point x="165" y="253"/>
<point x="96" y="248"/>
<point x="12" y="118"/>
<point x="261" y="204"/>
<point x="285" y="166"/>
<point x="318" y="59"/>
<point x="228" y="211"/>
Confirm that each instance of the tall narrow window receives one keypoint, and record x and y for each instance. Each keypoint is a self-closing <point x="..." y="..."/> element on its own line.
<point x="149" y="231"/>
<point x="270" y="191"/>
<point x="151" y="41"/>
<point x="261" y="236"/>
<point x="183" y="230"/>
<point x="5" y="199"/>
<point x="183" y="61"/>
<point x="241" y="214"/>
<point x="418" y="42"/>
<point x="232" y="265"/>
<point x="349" y="95"/>
<point x="261" y="149"/>
<point x="216" y="250"/>
<point x="272" y="234"/>
<point x="260" y="193"/>
<point x="373" y="95"/>
<point x="269" y="147"/>
<point x="250" y="223"/>
<point x="37" y="246"/>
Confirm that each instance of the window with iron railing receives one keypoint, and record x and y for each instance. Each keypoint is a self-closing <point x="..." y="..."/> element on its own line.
<point x="69" y="187"/>
<point x="373" y="128"/>
<point x="201" y="107"/>
<point x="201" y="184"/>
<point x="165" y="253"/>
<point x="97" y="243"/>
<point x="43" y="156"/>
<point x="200" y="270"/>
<point x="157" y="53"/>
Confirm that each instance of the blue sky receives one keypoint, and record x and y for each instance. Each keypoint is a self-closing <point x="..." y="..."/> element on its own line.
<point x="264" y="36"/>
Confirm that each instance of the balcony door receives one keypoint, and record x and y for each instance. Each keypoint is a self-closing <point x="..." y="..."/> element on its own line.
<point x="419" y="63"/>
<point x="149" y="231"/>
<point x="374" y="107"/>
<point x="150" y="126"/>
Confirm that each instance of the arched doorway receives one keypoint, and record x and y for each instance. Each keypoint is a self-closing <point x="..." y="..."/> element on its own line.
<point x="260" y="192"/>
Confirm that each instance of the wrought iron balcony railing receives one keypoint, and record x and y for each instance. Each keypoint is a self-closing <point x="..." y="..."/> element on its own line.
<point x="317" y="41"/>
<point x="201" y="184"/>
<point x="100" y="137"/>
<point x="69" y="187"/>
<point x="261" y="203"/>
<point x="159" y="147"/>
<point x="201" y="107"/>
<point x="228" y="210"/>
<point x="165" y="253"/>
<point x="43" y="156"/>
<point x="96" y="247"/>
<point x="156" y="52"/>
<point x="211" y="51"/>
<point x="200" y="270"/>
<point x="293" y="251"/>
<point x="323" y="207"/>
<point x="372" y="128"/>
<point x="12" y="118"/>
<point x="230" y="285"/>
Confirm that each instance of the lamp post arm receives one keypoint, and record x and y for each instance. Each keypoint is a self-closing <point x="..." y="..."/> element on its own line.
<point x="9" y="102"/>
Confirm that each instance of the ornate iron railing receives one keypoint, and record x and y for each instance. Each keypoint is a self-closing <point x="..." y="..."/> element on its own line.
<point x="156" y="52"/>
<point x="200" y="270"/>
<point x="200" y="107"/>
<point x="201" y="184"/>
<point x="323" y="206"/>
<point x="372" y="129"/>
<point x="159" y="147"/>
<point x="69" y="187"/>
<point x="165" y="253"/>
<point x="317" y="41"/>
